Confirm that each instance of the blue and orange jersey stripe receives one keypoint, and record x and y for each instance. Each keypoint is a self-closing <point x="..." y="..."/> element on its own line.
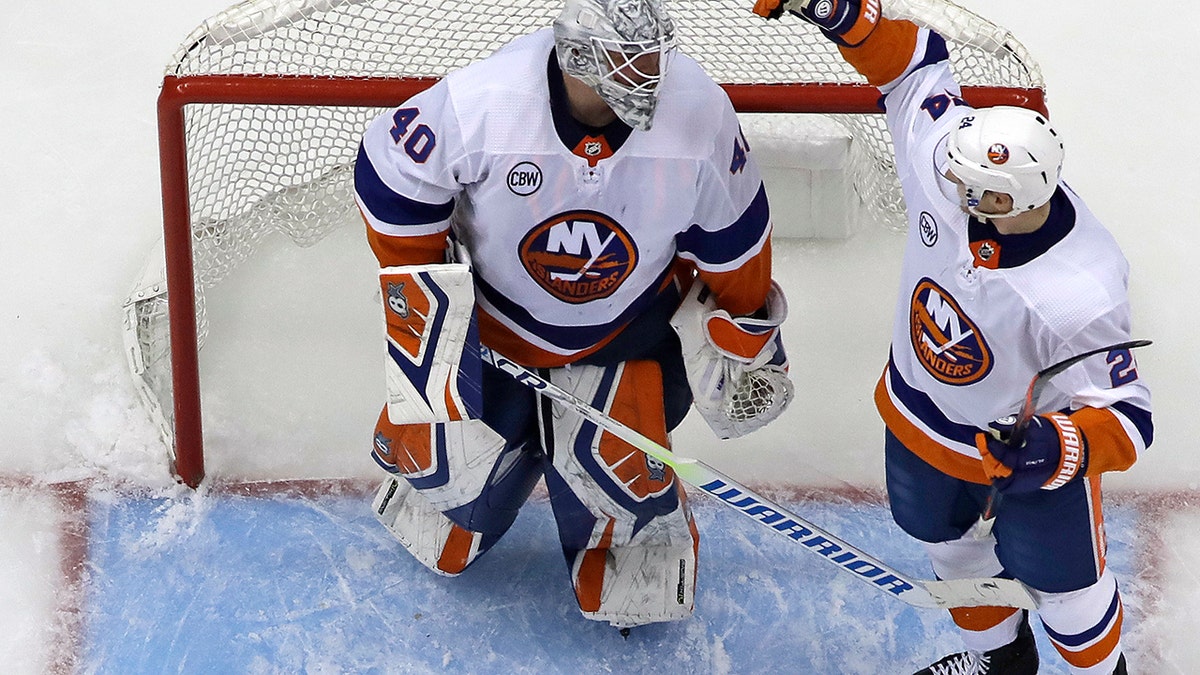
<point x="392" y="251"/>
<point x="918" y="424"/>
<point x="1112" y="444"/>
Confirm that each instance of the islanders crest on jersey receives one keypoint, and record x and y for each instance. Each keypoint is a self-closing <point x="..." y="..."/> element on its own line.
<point x="579" y="256"/>
<point x="946" y="341"/>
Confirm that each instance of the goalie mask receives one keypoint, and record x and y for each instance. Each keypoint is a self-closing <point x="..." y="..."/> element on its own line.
<point x="621" y="49"/>
<point x="1006" y="149"/>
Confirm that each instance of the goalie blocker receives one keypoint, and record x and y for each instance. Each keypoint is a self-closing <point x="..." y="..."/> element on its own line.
<point x="432" y="365"/>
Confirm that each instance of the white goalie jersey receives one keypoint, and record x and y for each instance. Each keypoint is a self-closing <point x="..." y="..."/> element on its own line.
<point x="980" y="313"/>
<point x="568" y="244"/>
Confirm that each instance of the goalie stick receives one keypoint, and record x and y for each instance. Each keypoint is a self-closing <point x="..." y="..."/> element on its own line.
<point x="983" y="527"/>
<point x="848" y="558"/>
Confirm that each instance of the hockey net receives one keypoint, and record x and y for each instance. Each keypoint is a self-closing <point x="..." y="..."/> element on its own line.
<point x="263" y="106"/>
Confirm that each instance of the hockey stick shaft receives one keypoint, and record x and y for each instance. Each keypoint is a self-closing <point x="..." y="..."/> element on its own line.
<point x="866" y="568"/>
<point x="1029" y="408"/>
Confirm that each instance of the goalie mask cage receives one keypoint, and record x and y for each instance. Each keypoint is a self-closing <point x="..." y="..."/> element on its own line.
<point x="263" y="106"/>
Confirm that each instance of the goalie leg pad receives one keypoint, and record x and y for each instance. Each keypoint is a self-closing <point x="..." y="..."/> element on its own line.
<point x="634" y="585"/>
<point x="432" y="538"/>
<point x="457" y="488"/>
<point x="451" y="462"/>
<point x="604" y="474"/>
<point x="623" y="519"/>
<point x="433" y="368"/>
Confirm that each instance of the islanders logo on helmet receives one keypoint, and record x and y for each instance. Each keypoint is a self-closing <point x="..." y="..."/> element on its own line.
<point x="997" y="153"/>
<point x="945" y="340"/>
<point x="579" y="256"/>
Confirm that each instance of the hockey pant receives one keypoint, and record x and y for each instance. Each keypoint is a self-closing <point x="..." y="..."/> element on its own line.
<point x="623" y="520"/>
<point x="1051" y="540"/>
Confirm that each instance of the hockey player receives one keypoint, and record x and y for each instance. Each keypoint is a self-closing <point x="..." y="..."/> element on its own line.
<point x="1005" y="272"/>
<point x="585" y="175"/>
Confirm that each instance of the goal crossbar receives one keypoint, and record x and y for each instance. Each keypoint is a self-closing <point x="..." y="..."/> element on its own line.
<point x="179" y="92"/>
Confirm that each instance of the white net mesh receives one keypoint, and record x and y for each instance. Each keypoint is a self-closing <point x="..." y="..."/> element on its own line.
<point x="761" y="395"/>
<point x="256" y="169"/>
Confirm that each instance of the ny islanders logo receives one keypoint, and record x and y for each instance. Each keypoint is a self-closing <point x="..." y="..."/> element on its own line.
<point x="944" y="338"/>
<point x="579" y="256"/>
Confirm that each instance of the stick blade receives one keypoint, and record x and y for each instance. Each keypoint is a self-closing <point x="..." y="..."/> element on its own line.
<point x="980" y="593"/>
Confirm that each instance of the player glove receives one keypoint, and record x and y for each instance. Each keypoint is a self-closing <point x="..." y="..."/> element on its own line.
<point x="846" y="22"/>
<point x="1053" y="453"/>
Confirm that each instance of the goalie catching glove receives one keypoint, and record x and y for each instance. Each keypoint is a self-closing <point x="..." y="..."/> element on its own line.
<point x="846" y="22"/>
<point x="736" y="366"/>
<point x="1053" y="453"/>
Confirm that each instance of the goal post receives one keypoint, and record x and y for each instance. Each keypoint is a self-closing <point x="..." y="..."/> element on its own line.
<point x="262" y="107"/>
<point x="183" y="430"/>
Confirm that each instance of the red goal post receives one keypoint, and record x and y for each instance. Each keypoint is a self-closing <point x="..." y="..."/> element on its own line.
<point x="262" y="106"/>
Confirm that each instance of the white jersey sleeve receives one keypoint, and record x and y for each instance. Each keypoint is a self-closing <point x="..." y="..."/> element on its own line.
<point x="731" y="219"/>
<point x="412" y="164"/>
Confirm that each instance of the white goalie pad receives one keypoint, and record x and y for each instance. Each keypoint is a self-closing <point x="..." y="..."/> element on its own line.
<point x="639" y="564"/>
<point x="736" y="367"/>
<point x="431" y="537"/>
<point x="641" y="585"/>
<point x="433" y="368"/>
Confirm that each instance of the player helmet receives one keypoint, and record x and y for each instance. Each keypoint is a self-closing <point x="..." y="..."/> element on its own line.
<point x="621" y="49"/>
<point x="1010" y="150"/>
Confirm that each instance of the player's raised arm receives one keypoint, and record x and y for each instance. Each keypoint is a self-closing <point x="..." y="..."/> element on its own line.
<point x="888" y="53"/>
<point x="879" y="48"/>
<point x="846" y="22"/>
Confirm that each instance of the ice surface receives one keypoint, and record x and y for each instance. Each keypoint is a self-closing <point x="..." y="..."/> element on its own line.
<point x="304" y="583"/>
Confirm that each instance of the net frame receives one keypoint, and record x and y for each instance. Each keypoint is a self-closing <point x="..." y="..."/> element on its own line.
<point x="260" y="57"/>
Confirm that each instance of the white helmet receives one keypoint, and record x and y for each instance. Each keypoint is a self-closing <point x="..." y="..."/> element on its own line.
<point x="1009" y="150"/>
<point x="620" y="48"/>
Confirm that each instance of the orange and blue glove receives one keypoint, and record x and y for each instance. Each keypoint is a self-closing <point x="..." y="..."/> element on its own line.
<point x="1054" y="452"/>
<point x="846" y="22"/>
